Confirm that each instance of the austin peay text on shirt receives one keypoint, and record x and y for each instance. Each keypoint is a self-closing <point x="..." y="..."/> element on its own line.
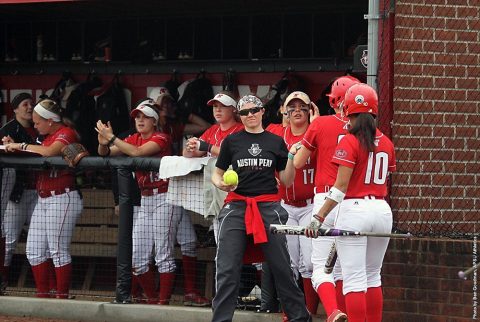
<point x="254" y="163"/>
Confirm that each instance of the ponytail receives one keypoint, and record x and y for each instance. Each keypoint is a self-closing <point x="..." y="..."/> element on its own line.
<point x="364" y="130"/>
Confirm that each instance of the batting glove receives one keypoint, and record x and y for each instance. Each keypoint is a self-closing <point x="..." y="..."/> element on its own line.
<point x="312" y="230"/>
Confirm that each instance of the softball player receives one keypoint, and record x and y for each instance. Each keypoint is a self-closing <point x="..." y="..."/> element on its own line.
<point x="298" y="198"/>
<point x="224" y="111"/>
<point x="154" y="222"/>
<point x="58" y="205"/>
<point x="321" y="140"/>
<point x="19" y="196"/>
<point x="183" y="228"/>
<point x="255" y="155"/>
<point x="365" y="157"/>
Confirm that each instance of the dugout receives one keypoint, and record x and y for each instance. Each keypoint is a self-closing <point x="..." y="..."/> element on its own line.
<point x="144" y="43"/>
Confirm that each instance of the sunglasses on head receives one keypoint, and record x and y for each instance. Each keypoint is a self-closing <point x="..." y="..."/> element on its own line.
<point x="252" y="110"/>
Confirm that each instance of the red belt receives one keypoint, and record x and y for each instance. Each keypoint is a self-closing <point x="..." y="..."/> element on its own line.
<point x="367" y="197"/>
<point x="154" y="191"/>
<point x="298" y="203"/>
<point x="51" y="193"/>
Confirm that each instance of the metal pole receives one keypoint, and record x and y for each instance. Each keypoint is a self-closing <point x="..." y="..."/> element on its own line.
<point x="373" y="17"/>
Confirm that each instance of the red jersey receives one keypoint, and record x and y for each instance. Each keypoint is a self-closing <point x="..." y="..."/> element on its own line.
<point x="57" y="180"/>
<point x="302" y="187"/>
<point x="150" y="179"/>
<point x="175" y="131"/>
<point x="214" y="134"/>
<point x="370" y="170"/>
<point x="322" y="138"/>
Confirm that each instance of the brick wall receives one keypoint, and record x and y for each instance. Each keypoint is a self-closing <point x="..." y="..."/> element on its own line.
<point x="435" y="127"/>
<point x="436" y="113"/>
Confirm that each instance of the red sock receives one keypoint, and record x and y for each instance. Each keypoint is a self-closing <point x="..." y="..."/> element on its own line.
<point x="374" y="304"/>
<point x="356" y="306"/>
<point x="52" y="278"/>
<point x="167" y="280"/>
<point x="311" y="297"/>
<point x="147" y="282"/>
<point x="40" y="275"/>
<point x="63" y="274"/>
<point x="326" y="293"/>
<point x="189" y="274"/>
<point x="340" y="296"/>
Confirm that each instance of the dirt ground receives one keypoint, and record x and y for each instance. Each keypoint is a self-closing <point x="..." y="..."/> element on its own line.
<point x="5" y="318"/>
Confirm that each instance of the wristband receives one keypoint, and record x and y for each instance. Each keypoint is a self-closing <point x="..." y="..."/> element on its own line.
<point x="290" y="156"/>
<point x="110" y="142"/>
<point x="320" y="219"/>
<point x="204" y="146"/>
<point x="23" y="146"/>
<point x="335" y="195"/>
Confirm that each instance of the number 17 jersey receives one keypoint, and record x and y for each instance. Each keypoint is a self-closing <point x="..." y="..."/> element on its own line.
<point x="370" y="169"/>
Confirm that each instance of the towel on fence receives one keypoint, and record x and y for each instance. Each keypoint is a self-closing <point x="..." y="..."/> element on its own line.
<point x="213" y="196"/>
<point x="176" y="166"/>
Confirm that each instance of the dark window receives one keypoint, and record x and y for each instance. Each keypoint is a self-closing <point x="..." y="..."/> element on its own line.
<point x="236" y="37"/>
<point x="297" y="37"/>
<point x="266" y="36"/>
<point x="208" y="41"/>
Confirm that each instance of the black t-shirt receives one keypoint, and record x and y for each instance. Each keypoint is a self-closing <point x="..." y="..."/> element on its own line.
<point x="255" y="157"/>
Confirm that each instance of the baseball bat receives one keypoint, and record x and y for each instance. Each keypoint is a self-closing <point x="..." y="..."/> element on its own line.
<point x="331" y="259"/>
<point x="464" y="274"/>
<point x="299" y="230"/>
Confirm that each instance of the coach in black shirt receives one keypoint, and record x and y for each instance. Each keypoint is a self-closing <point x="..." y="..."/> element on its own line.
<point x="250" y="208"/>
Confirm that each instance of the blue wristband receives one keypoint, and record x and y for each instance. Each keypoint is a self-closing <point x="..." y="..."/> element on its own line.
<point x="290" y="156"/>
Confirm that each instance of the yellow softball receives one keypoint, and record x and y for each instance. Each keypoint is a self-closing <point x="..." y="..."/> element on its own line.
<point x="230" y="178"/>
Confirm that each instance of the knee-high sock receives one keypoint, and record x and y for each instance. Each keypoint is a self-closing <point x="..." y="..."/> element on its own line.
<point x="311" y="297"/>
<point x="326" y="293"/>
<point x="167" y="280"/>
<point x="340" y="296"/>
<point x="136" y="289"/>
<point x="356" y="306"/>
<point x="189" y="274"/>
<point x="64" y="274"/>
<point x="374" y="304"/>
<point x="147" y="282"/>
<point x="52" y="278"/>
<point x="40" y="275"/>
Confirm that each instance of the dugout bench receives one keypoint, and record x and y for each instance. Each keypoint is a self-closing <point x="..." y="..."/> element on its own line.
<point x="95" y="236"/>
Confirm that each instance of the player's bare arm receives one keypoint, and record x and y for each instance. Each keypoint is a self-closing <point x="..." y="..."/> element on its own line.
<point x="341" y="184"/>
<point x="287" y="176"/>
<point x="191" y="149"/>
<point x="301" y="156"/>
<point x="46" y="151"/>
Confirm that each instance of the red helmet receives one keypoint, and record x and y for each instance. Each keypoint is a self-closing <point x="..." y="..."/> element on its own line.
<point x="339" y="87"/>
<point x="360" y="98"/>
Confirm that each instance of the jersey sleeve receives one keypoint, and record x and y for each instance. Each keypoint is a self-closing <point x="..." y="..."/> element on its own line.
<point x="67" y="136"/>
<point x="346" y="152"/>
<point x="224" y="158"/>
<point x="282" y="156"/>
<point x="312" y="132"/>
<point x="161" y="139"/>
<point x="392" y="166"/>
<point x="207" y="135"/>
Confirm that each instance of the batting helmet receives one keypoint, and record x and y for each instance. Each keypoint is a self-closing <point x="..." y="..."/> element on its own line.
<point x="360" y="98"/>
<point x="339" y="87"/>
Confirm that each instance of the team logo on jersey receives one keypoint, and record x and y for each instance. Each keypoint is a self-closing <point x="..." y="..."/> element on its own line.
<point x="340" y="153"/>
<point x="255" y="149"/>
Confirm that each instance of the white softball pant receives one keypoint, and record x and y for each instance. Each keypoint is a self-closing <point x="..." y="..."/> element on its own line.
<point x="362" y="257"/>
<point x="186" y="236"/>
<point x="17" y="215"/>
<point x="155" y="225"/>
<point x="51" y="228"/>
<point x="321" y="247"/>
<point x="299" y="247"/>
